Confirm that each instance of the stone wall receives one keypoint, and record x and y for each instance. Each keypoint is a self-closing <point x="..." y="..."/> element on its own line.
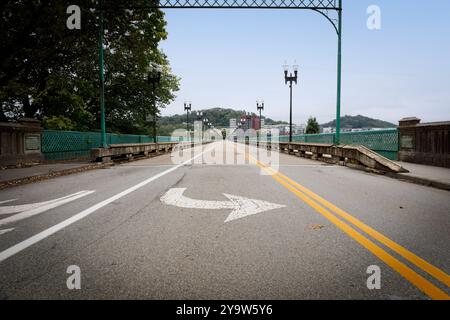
<point x="424" y="143"/>
<point x="20" y="142"/>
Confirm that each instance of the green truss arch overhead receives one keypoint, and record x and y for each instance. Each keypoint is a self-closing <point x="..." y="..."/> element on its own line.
<point x="330" y="9"/>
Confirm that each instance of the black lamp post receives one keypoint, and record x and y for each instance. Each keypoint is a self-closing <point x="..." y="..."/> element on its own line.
<point x="205" y="123"/>
<point x="154" y="78"/>
<point x="199" y="116"/>
<point x="187" y="108"/>
<point x="260" y="108"/>
<point x="290" y="78"/>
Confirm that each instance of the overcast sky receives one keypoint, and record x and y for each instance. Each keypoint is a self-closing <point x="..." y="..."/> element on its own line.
<point x="229" y="58"/>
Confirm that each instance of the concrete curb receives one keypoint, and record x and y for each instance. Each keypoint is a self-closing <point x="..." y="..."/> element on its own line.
<point x="403" y="177"/>
<point x="420" y="181"/>
<point x="26" y="180"/>
<point x="97" y="165"/>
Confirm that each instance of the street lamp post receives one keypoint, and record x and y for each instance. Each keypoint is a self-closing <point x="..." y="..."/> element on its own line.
<point x="187" y="108"/>
<point x="290" y="78"/>
<point x="154" y="78"/>
<point x="199" y="116"/>
<point x="260" y="108"/>
<point x="102" y="82"/>
<point x="205" y="123"/>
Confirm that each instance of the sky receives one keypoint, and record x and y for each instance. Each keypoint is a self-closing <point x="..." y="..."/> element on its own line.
<point x="230" y="58"/>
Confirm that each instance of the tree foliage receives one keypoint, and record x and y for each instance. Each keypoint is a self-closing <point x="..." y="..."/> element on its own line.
<point x="359" y="122"/>
<point x="312" y="126"/>
<point x="48" y="71"/>
<point x="219" y="117"/>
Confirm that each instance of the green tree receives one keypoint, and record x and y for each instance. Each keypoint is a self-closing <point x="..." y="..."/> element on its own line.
<point x="47" y="70"/>
<point x="312" y="126"/>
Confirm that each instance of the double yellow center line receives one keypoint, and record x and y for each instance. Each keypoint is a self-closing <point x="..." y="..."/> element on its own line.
<point x="331" y="212"/>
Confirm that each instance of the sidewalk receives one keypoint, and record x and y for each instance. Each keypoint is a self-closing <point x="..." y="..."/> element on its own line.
<point x="437" y="177"/>
<point x="18" y="176"/>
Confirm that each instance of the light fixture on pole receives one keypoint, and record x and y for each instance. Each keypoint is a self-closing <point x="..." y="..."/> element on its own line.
<point x="204" y="123"/>
<point x="288" y="77"/>
<point x="187" y="108"/>
<point x="260" y="108"/>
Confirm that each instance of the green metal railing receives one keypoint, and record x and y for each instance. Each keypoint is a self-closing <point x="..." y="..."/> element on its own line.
<point x="68" y="145"/>
<point x="384" y="142"/>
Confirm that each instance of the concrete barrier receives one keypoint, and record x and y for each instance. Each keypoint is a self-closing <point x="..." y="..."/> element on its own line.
<point x="131" y="150"/>
<point x="345" y="154"/>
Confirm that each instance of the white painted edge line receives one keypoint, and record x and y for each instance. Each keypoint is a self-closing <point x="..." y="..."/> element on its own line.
<point x="52" y="230"/>
<point x="6" y="201"/>
<point x="5" y="231"/>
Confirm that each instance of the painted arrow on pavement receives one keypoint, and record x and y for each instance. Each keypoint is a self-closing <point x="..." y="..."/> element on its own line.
<point x="241" y="206"/>
<point x="28" y="210"/>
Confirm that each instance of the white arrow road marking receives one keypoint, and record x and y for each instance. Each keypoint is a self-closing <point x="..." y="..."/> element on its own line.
<point x="29" y="210"/>
<point x="77" y="217"/>
<point x="5" y="231"/>
<point x="27" y="207"/>
<point x="242" y="207"/>
<point x="175" y="197"/>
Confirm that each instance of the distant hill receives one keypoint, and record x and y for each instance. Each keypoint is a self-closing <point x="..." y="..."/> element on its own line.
<point x="219" y="117"/>
<point x="359" y="121"/>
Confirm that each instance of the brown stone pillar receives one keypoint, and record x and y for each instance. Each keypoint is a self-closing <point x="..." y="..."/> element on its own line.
<point x="20" y="142"/>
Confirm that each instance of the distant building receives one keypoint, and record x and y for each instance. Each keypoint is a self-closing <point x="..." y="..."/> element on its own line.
<point x="284" y="129"/>
<point x="233" y="124"/>
<point x="255" y="122"/>
<point x="249" y="122"/>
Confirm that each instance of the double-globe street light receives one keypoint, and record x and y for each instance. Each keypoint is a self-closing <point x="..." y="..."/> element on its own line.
<point x="187" y="108"/>
<point x="202" y="119"/>
<point x="260" y="108"/>
<point x="206" y="123"/>
<point x="288" y="77"/>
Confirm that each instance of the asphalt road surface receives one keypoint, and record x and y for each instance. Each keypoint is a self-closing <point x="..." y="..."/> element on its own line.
<point x="155" y="229"/>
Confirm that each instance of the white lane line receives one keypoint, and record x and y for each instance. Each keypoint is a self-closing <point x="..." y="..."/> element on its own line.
<point x="5" y="231"/>
<point x="6" y="201"/>
<point x="77" y="217"/>
<point x="32" y="210"/>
